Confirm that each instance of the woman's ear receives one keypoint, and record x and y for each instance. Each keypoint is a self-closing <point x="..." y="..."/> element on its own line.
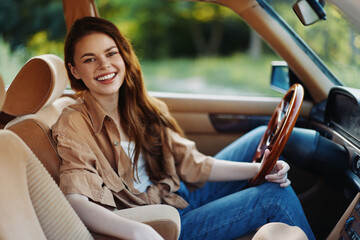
<point x="73" y="71"/>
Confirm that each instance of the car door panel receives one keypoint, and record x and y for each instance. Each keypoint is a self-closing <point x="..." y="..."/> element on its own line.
<point x="215" y="121"/>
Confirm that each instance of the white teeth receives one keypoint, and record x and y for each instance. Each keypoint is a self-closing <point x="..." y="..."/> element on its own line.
<point x="106" y="77"/>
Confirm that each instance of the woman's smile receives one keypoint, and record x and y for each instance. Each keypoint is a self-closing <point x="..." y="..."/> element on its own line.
<point x="106" y="78"/>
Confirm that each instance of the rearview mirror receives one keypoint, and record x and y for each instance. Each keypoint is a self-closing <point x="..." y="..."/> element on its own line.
<point x="309" y="11"/>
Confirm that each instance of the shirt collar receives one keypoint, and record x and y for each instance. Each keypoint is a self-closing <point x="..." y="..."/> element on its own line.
<point x="96" y="113"/>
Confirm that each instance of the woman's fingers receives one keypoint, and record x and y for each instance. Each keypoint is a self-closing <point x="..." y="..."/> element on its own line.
<point x="281" y="167"/>
<point x="279" y="174"/>
<point x="276" y="178"/>
<point x="285" y="184"/>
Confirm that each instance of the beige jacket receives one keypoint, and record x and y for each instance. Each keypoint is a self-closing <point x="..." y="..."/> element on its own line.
<point x="88" y="141"/>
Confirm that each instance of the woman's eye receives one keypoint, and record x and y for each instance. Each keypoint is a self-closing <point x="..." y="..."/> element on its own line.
<point x="111" y="53"/>
<point x="89" y="60"/>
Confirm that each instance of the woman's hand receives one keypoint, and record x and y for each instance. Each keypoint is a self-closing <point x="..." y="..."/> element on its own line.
<point x="279" y="173"/>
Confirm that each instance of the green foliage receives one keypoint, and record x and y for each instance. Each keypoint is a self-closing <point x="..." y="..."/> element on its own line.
<point x="11" y="61"/>
<point x="40" y="43"/>
<point x="21" y="19"/>
<point x="157" y="29"/>
<point x="162" y="28"/>
<point x="238" y="74"/>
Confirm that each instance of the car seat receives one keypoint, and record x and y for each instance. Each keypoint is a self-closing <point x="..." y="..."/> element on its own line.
<point x="31" y="204"/>
<point x="37" y="108"/>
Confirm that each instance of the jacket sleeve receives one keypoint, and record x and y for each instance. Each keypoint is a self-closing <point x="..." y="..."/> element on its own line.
<point x="192" y="166"/>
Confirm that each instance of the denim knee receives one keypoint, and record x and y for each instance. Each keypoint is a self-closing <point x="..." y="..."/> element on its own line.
<point x="274" y="189"/>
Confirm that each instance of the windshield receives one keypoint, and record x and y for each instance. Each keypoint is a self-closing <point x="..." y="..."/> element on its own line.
<point x="336" y="41"/>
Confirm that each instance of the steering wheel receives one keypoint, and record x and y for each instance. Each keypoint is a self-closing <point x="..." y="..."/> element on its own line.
<point x="278" y="131"/>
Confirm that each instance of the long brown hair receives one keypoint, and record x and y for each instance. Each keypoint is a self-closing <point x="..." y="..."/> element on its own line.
<point x="143" y="118"/>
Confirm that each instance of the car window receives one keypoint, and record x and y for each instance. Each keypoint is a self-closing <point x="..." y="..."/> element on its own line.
<point x="237" y="74"/>
<point x="241" y="65"/>
<point x="183" y="47"/>
<point x="336" y="40"/>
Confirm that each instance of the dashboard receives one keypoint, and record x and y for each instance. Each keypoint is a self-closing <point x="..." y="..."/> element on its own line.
<point x="343" y="112"/>
<point x="342" y="116"/>
<point x="342" y="128"/>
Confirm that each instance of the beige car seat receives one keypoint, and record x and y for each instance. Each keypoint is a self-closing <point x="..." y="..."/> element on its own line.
<point x="31" y="204"/>
<point x="37" y="108"/>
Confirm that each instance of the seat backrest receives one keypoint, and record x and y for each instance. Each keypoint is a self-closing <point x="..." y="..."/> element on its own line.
<point x="74" y="10"/>
<point x="34" y="130"/>
<point x="39" y="82"/>
<point x="31" y="204"/>
<point x="39" y="106"/>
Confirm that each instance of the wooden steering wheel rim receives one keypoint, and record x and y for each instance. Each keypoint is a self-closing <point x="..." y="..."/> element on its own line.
<point x="278" y="131"/>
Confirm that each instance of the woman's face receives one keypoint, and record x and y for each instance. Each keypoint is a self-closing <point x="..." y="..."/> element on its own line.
<point x="98" y="64"/>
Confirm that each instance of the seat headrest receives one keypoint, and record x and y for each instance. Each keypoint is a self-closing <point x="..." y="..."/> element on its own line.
<point x="40" y="81"/>
<point x="2" y="93"/>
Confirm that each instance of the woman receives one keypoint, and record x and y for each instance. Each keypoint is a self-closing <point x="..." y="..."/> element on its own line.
<point x="121" y="148"/>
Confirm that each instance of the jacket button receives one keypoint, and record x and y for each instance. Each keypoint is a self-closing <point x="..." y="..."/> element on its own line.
<point x="116" y="143"/>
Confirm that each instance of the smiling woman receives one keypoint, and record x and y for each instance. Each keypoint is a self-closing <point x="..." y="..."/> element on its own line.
<point x="114" y="110"/>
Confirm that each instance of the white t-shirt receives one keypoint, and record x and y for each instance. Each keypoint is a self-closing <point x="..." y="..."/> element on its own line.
<point x="129" y="148"/>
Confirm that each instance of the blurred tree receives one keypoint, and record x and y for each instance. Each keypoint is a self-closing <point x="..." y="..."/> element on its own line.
<point x="146" y="23"/>
<point x="205" y="25"/>
<point x="157" y="29"/>
<point x="20" y="19"/>
<point x="165" y="28"/>
<point x="10" y="61"/>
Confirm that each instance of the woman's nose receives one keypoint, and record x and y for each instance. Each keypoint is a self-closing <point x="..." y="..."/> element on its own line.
<point x="104" y="63"/>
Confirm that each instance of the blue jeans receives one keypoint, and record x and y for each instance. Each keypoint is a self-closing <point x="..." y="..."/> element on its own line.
<point x="225" y="210"/>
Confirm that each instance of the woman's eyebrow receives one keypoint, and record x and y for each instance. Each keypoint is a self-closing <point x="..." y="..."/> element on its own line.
<point x="108" y="49"/>
<point x="87" y="55"/>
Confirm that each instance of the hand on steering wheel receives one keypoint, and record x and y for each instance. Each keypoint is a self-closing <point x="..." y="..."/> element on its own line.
<point x="278" y="131"/>
<point x="279" y="173"/>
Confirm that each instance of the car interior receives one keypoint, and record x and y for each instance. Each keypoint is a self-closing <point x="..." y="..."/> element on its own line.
<point x="323" y="149"/>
